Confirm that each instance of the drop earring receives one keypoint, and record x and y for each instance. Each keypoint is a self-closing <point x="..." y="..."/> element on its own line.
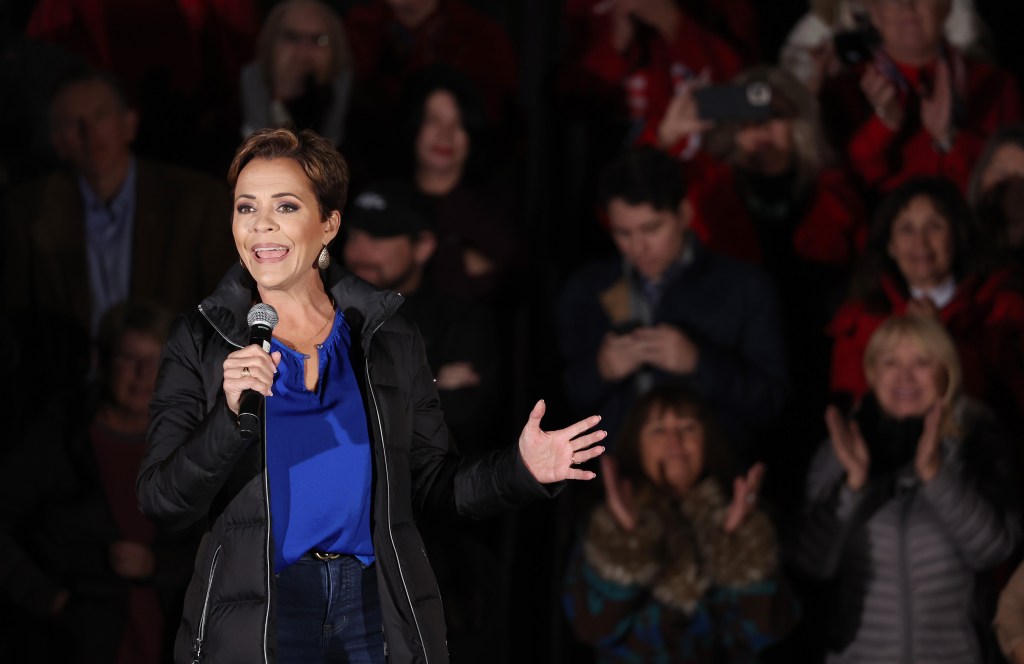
<point x="324" y="259"/>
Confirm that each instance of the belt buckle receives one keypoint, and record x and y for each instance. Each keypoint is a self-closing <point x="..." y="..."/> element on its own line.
<point x="325" y="556"/>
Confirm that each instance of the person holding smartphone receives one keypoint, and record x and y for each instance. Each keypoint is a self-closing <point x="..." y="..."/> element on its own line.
<point x="919" y="107"/>
<point x="666" y="310"/>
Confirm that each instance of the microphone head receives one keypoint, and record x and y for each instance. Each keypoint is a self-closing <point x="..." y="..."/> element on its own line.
<point x="264" y="315"/>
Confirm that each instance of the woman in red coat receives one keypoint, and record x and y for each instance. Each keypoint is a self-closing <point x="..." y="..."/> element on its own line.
<point x="922" y="258"/>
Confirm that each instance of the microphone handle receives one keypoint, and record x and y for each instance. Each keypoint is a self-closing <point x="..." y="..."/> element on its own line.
<point x="248" y="413"/>
<point x="249" y="405"/>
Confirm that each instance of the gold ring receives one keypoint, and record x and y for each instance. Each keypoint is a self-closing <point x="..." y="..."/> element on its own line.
<point x="572" y="459"/>
<point x="245" y="372"/>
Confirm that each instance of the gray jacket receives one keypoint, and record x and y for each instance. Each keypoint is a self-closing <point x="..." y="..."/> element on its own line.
<point x="905" y="553"/>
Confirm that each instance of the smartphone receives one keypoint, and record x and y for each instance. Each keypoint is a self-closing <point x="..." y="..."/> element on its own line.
<point x="750" y="102"/>
<point x="854" y="47"/>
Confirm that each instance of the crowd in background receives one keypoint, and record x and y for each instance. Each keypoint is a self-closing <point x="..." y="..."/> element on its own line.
<point x="546" y="185"/>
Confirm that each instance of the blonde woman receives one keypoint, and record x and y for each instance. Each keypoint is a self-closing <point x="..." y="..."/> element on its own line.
<point x="907" y="501"/>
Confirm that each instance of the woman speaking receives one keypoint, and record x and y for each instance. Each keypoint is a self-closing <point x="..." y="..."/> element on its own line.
<point x="311" y="551"/>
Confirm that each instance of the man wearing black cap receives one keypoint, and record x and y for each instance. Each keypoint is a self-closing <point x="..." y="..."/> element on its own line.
<point x="390" y="245"/>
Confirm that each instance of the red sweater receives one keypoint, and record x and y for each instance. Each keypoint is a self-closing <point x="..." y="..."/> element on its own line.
<point x="985" y="319"/>
<point x="884" y="158"/>
<point x="832" y="230"/>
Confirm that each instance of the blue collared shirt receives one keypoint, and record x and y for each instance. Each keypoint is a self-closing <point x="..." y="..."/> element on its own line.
<point x="319" y="457"/>
<point x="108" y="243"/>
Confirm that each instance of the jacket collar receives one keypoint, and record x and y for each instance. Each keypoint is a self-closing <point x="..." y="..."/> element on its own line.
<point x="363" y="304"/>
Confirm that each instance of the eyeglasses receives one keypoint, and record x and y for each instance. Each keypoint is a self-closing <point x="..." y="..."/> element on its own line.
<point x="295" y="37"/>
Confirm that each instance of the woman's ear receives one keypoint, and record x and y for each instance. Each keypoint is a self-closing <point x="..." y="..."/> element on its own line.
<point x="331" y="226"/>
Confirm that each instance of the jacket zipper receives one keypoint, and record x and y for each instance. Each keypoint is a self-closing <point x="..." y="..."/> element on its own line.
<point x="266" y="544"/>
<point x="197" y="646"/>
<point x="266" y="505"/>
<point x="387" y="484"/>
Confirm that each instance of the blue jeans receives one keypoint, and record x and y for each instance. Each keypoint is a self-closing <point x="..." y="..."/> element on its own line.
<point x="329" y="612"/>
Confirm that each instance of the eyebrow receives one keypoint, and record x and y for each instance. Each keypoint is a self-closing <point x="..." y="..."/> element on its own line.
<point x="281" y="195"/>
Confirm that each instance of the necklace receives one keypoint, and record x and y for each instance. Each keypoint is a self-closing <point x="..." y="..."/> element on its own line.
<point x="313" y="336"/>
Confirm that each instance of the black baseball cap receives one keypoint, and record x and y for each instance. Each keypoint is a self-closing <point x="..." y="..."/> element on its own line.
<point x="386" y="210"/>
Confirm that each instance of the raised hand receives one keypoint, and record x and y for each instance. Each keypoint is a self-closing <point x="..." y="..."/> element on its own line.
<point x="618" y="494"/>
<point x="744" y="497"/>
<point x="929" y="453"/>
<point x="552" y="456"/>
<point x="937" y="106"/>
<point x="850" y="448"/>
<point x="682" y="116"/>
<point x="883" y="97"/>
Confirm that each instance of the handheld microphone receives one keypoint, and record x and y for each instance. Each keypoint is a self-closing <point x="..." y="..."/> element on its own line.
<point x="262" y="320"/>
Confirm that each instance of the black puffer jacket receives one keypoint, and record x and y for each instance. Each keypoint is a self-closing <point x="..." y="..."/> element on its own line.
<point x="198" y="467"/>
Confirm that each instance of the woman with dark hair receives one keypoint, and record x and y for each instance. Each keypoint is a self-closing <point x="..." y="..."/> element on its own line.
<point x="444" y="145"/>
<point x="112" y="582"/>
<point x="923" y="257"/>
<point x="678" y="564"/>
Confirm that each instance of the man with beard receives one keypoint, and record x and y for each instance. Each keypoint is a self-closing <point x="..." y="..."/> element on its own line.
<point x="390" y="245"/>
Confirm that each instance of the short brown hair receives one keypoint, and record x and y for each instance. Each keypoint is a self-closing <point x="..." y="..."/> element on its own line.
<point x="320" y="161"/>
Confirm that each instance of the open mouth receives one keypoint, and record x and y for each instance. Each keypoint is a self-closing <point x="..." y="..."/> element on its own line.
<point x="269" y="253"/>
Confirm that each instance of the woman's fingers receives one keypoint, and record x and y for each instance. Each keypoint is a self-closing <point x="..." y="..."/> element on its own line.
<point x="754" y="478"/>
<point x="570" y="432"/>
<point x="585" y="455"/>
<point x="249" y="368"/>
<point x="583" y="442"/>
<point x="857" y="444"/>
<point x="837" y="429"/>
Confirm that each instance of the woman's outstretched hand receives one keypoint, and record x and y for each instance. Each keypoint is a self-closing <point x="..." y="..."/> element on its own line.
<point x="552" y="456"/>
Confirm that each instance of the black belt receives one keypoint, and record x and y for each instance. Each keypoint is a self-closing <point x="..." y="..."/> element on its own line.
<point x="324" y="555"/>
